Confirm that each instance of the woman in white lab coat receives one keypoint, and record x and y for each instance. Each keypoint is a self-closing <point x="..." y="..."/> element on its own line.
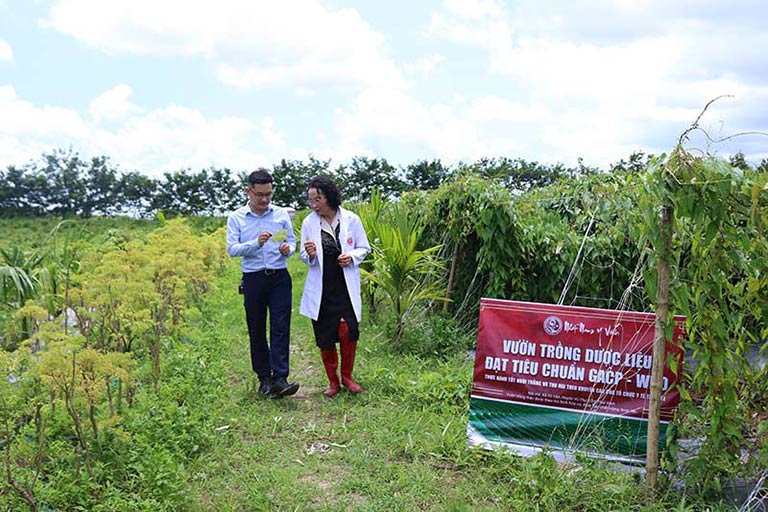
<point x="333" y="244"/>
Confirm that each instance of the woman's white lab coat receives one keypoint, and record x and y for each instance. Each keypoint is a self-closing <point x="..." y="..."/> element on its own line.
<point x="353" y="242"/>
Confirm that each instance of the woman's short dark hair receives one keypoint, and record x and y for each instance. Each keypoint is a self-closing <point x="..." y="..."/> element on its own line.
<point x="328" y="188"/>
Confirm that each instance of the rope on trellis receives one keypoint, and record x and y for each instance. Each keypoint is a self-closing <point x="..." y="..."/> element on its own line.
<point x="576" y="262"/>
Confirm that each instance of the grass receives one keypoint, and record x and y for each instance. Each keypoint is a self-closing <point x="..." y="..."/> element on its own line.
<point x="207" y="442"/>
<point x="37" y="232"/>
<point x="400" y="445"/>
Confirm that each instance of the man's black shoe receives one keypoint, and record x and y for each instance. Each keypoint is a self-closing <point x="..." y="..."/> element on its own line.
<point x="265" y="387"/>
<point x="281" y="388"/>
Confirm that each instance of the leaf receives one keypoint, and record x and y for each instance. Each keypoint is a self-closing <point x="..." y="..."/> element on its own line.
<point x="280" y="236"/>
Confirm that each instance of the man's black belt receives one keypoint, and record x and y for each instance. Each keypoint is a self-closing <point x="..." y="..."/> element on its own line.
<point x="266" y="272"/>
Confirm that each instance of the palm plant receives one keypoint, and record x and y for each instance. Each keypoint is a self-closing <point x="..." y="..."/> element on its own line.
<point x="44" y="276"/>
<point x="63" y="263"/>
<point x="370" y="215"/>
<point x="406" y="274"/>
<point x="18" y="280"/>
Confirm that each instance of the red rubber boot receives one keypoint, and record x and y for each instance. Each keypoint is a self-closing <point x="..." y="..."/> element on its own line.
<point x="331" y="362"/>
<point x="348" y="349"/>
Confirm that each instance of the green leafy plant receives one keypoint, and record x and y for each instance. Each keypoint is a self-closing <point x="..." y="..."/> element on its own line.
<point x="406" y="274"/>
<point x="719" y="286"/>
<point x="19" y="275"/>
<point x="434" y="335"/>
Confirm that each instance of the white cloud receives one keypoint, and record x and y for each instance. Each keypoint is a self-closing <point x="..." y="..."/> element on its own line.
<point x="546" y="81"/>
<point x="176" y="137"/>
<point x="27" y="130"/>
<point x="380" y="119"/>
<point x="608" y="78"/>
<point x="166" y="139"/>
<point x="481" y="23"/>
<point x="474" y="9"/>
<point x="494" y="108"/>
<point x="304" y="92"/>
<point x="172" y="138"/>
<point x="251" y="43"/>
<point x="271" y="137"/>
<point x="114" y="104"/>
<point x="25" y="119"/>
<point x="424" y="66"/>
<point x="6" y="53"/>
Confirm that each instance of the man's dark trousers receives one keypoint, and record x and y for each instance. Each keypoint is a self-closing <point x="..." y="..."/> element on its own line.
<point x="268" y="291"/>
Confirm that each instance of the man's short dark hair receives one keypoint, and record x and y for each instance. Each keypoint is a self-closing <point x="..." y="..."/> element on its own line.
<point x="328" y="188"/>
<point x="260" y="176"/>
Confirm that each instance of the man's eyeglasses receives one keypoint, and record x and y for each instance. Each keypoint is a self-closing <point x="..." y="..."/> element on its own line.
<point x="315" y="199"/>
<point x="259" y="195"/>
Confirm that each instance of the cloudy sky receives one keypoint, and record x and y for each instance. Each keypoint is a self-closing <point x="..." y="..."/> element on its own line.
<point x="163" y="85"/>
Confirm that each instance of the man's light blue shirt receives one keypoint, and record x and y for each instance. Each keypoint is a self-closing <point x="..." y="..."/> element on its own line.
<point x="243" y="228"/>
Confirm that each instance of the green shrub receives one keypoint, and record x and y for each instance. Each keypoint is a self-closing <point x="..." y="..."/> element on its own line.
<point x="434" y="335"/>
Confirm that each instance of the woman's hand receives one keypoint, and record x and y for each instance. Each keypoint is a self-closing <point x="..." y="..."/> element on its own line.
<point x="345" y="260"/>
<point x="311" y="249"/>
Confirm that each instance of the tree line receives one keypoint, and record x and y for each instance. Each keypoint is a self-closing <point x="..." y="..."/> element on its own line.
<point x="66" y="185"/>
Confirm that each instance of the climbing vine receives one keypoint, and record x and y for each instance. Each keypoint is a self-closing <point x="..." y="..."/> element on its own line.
<point x="593" y="241"/>
<point x="721" y="287"/>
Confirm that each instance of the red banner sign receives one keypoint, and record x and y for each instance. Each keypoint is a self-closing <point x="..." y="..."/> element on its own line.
<point x="574" y="358"/>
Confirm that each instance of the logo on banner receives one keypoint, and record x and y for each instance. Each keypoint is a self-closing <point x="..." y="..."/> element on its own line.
<point x="553" y="325"/>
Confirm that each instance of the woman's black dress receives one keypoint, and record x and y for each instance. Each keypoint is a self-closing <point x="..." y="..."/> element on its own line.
<point x="335" y="303"/>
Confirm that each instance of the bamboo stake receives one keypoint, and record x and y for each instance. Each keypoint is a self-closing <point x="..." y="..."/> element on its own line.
<point x="451" y="275"/>
<point x="659" y="352"/>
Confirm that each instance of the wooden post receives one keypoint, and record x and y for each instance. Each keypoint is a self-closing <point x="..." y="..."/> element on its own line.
<point x="451" y="275"/>
<point x="659" y="352"/>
